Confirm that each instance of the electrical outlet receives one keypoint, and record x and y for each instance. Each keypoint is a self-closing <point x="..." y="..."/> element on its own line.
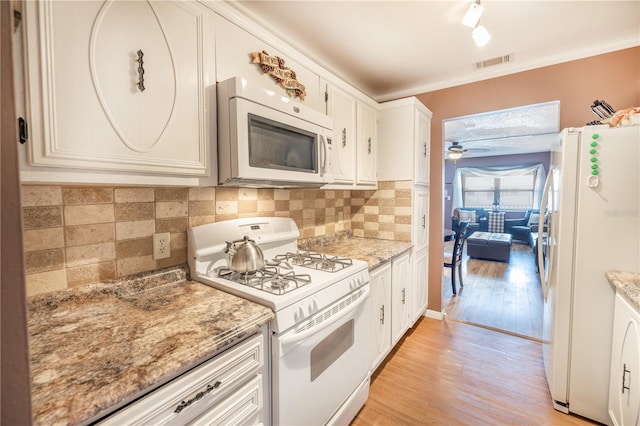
<point x="161" y="247"/>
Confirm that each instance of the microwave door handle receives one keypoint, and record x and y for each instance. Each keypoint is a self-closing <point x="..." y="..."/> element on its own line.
<point x="323" y="155"/>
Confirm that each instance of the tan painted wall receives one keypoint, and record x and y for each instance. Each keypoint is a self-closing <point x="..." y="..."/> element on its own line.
<point x="613" y="77"/>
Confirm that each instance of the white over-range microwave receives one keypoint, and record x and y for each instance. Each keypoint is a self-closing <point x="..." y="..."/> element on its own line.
<point x="266" y="139"/>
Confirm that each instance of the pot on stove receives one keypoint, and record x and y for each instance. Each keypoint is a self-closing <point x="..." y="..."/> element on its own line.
<point x="245" y="255"/>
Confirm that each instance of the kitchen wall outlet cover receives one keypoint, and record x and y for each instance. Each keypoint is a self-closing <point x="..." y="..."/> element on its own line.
<point x="161" y="248"/>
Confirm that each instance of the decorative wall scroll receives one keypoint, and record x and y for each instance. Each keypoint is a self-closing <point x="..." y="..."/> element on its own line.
<point x="286" y="77"/>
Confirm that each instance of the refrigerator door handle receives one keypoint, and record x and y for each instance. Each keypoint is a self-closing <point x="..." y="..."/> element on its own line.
<point x="543" y="205"/>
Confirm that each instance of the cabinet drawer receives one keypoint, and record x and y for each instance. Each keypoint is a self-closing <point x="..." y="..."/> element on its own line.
<point x="188" y="396"/>
<point x="242" y="407"/>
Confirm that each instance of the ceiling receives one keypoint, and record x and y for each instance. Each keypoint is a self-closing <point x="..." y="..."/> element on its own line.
<point x="524" y="129"/>
<point x="394" y="49"/>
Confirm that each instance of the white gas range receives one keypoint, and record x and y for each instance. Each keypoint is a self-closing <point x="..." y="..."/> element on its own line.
<point x="320" y="341"/>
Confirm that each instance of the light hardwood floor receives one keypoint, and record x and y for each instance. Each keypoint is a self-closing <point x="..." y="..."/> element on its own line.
<point x="504" y="296"/>
<point x="451" y="373"/>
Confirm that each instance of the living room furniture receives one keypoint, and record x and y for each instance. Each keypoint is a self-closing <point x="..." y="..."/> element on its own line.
<point x="521" y="228"/>
<point x="453" y="256"/>
<point x="477" y="219"/>
<point x="449" y="234"/>
<point x="489" y="246"/>
<point x="533" y="242"/>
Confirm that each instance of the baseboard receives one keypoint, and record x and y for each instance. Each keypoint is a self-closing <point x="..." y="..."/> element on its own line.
<point x="433" y="314"/>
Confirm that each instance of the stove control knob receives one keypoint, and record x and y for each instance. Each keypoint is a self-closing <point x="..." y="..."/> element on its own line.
<point x="313" y="306"/>
<point x="299" y="314"/>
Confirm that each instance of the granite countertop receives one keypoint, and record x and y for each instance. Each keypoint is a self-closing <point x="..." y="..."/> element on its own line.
<point x="97" y="347"/>
<point x="373" y="251"/>
<point x="628" y="283"/>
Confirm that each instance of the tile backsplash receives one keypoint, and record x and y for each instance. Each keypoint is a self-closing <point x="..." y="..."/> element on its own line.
<point x="74" y="235"/>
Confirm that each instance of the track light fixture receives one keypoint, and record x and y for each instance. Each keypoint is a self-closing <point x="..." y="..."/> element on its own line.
<point x="480" y="35"/>
<point x="472" y="17"/>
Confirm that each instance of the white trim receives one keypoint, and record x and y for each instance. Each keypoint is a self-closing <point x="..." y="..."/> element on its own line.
<point x="439" y="315"/>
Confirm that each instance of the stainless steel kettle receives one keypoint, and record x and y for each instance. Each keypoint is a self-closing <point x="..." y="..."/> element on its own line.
<point x="244" y="255"/>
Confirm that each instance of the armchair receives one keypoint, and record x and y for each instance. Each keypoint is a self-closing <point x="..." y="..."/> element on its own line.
<point x="477" y="219"/>
<point x="521" y="228"/>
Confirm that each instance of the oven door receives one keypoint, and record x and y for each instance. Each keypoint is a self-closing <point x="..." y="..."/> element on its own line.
<point x="318" y="364"/>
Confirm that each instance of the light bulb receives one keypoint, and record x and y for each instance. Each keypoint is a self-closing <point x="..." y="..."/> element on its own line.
<point x="480" y="35"/>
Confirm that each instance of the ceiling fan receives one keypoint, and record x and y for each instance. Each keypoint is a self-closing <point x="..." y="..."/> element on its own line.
<point x="455" y="150"/>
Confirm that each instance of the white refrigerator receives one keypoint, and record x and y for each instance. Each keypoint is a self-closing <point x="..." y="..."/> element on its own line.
<point x="592" y="196"/>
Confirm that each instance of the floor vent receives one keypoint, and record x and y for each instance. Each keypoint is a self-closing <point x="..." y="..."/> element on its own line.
<point x="493" y="61"/>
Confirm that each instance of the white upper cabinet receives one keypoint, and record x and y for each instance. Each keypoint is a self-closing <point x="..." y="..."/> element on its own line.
<point x="342" y="108"/>
<point x="404" y="128"/>
<point x="422" y="146"/>
<point x="120" y="86"/>
<point x="366" y="156"/>
<point x="354" y="139"/>
<point x="234" y="46"/>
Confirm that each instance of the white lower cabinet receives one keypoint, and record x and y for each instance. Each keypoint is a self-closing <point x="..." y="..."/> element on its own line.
<point x="624" y="385"/>
<point x="381" y="314"/>
<point x="230" y="388"/>
<point x="391" y="296"/>
<point x="419" y="291"/>
<point x="401" y="279"/>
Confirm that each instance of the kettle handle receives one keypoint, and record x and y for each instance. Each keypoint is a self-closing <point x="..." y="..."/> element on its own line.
<point x="231" y="245"/>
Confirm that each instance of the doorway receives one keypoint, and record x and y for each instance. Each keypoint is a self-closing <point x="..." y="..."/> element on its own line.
<point x="505" y="296"/>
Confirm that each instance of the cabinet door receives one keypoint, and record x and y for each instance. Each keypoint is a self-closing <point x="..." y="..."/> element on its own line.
<point x="380" y="314"/>
<point x="119" y="86"/>
<point x="401" y="275"/>
<point x="420" y="226"/>
<point x="420" y="284"/>
<point x="367" y="150"/>
<point x="624" y="389"/>
<point x="342" y="108"/>
<point x="422" y="148"/>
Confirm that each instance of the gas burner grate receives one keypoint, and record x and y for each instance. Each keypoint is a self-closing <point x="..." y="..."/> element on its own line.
<point x="316" y="261"/>
<point x="269" y="279"/>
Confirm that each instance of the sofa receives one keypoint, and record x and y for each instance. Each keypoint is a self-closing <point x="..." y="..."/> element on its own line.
<point x="521" y="228"/>
<point x="477" y="219"/>
<point x="516" y="223"/>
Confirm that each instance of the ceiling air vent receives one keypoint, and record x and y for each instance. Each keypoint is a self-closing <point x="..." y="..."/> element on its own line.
<point x="493" y="61"/>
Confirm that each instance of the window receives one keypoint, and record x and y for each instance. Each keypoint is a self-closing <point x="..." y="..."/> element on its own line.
<point x="516" y="189"/>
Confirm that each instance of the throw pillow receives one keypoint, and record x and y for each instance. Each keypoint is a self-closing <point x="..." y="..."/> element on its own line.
<point x="534" y="218"/>
<point x="496" y="222"/>
<point x="469" y="215"/>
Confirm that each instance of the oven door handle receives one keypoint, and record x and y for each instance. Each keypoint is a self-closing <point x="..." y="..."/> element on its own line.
<point x="297" y="338"/>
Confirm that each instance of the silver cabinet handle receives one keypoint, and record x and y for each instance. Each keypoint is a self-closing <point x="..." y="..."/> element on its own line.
<point x="140" y="70"/>
<point x="382" y="314"/>
<point x="624" y="374"/>
<point x="344" y="137"/>
<point x="404" y="293"/>
<point x="369" y="148"/>
<point x="424" y="221"/>
<point x="197" y="397"/>
<point x="425" y="149"/>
